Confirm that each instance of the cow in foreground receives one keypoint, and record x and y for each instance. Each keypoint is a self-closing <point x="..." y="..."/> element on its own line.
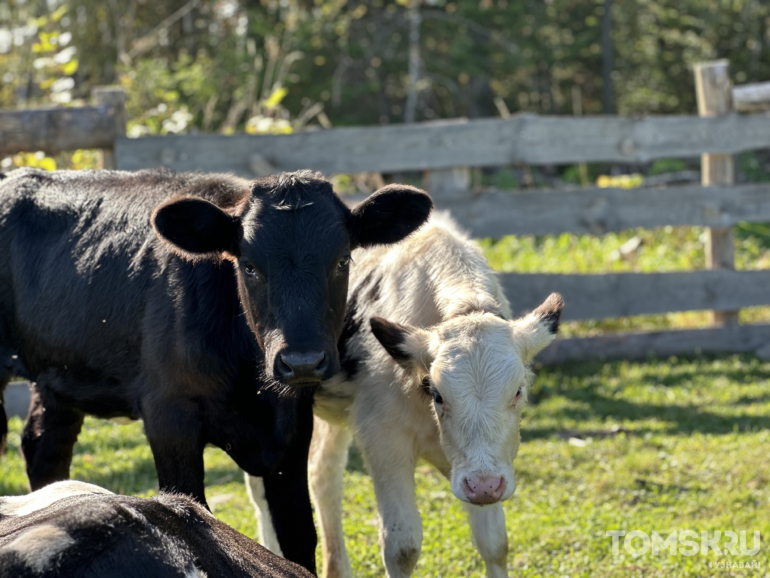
<point x="206" y="305"/>
<point x="433" y="368"/>
<point x="73" y="529"/>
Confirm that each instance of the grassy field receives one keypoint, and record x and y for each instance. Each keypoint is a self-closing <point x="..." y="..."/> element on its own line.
<point x="663" y="445"/>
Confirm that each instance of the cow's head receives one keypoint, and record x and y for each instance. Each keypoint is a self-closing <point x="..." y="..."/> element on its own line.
<point x="289" y="240"/>
<point x="476" y="370"/>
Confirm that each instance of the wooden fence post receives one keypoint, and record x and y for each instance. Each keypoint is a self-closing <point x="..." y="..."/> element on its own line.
<point x="448" y="183"/>
<point x="116" y="99"/>
<point x="713" y="91"/>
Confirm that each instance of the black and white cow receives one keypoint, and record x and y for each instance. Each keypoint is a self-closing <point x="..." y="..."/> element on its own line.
<point x="208" y="328"/>
<point x="433" y="368"/>
<point x="72" y="529"/>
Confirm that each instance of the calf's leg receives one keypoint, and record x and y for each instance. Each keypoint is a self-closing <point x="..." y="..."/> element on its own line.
<point x="328" y="458"/>
<point x="489" y="537"/>
<point x="48" y="439"/>
<point x="391" y="464"/>
<point x="3" y="424"/>
<point x="175" y="432"/>
<point x="255" y="488"/>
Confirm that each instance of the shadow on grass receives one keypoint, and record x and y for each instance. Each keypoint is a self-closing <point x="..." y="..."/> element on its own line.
<point x="356" y="460"/>
<point x="679" y="418"/>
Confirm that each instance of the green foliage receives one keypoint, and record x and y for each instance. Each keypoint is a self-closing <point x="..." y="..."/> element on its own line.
<point x="667" y="166"/>
<point x="213" y="63"/>
<point x="666" y="445"/>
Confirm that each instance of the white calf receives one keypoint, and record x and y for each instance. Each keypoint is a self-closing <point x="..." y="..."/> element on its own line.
<point x="432" y="369"/>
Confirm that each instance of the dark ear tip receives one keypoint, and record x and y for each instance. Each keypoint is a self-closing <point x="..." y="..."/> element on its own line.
<point x="378" y="324"/>
<point x="395" y="187"/>
<point x="415" y="195"/>
<point x="555" y="302"/>
<point x="550" y="311"/>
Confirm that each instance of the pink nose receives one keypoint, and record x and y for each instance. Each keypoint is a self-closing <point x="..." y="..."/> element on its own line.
<point x="484" y="490"/>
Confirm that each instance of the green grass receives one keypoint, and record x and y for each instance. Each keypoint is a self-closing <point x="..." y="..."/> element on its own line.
<point x="668" y="444"/>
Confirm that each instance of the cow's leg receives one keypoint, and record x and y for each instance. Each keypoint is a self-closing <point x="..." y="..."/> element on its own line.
<point x="391" y="464"/>
<point x="328" y="457"/>
<point x="489" y="537"/>
<point x="255" y="488"/>
<point x="3" y="418"/>
<point x="48" y="439"/>
<point x="287" y="494"/>
<point x="175" y="432"/>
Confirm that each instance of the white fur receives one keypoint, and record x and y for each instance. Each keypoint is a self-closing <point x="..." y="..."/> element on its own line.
<point x="194" y="572"/>
<point x="438" y="283"/>
<point x="23" y="505"/>
<point x="38" y="546"/>
<point x="255" y="488"/>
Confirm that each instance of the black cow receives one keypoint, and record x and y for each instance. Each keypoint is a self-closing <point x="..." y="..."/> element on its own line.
<point x="209" y="331"/>
<point x="77" y="530"/>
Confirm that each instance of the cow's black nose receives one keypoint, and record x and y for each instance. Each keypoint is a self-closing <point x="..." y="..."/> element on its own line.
<point x="301" y="367"/>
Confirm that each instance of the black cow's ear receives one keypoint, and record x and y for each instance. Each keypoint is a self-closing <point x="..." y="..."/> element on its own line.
<point x="408" y="346"/>
<point x="389" y="215"/>
<point x="196" y="228"/>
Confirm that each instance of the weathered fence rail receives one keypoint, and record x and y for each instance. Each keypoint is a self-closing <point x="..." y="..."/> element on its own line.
<point x="609" y="295"/>
<point x="597" y="211"/>
<point x="526" y="139"/>
<point x="728" y="339"/>
<point x="57" y="129"/>
<point x="444" y="149"/>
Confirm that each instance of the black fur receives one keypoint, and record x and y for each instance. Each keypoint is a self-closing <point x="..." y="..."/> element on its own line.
<point x="198" y="227"/>
<point x="550" y="312"/>
<point x="111" y="320"/>
<point x="392" y="336"/>
<point x="350" y="327"/>
<point x="120" y="536"/>
<point x="373" y="294"/>
<point x="403" y="213"/>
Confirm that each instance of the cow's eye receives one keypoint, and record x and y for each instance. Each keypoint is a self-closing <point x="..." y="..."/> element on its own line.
<point x="518" y="393"/>
<point x="344" y="262"/>
<point x="250" y="270"/>
<point x="436" y="396"/>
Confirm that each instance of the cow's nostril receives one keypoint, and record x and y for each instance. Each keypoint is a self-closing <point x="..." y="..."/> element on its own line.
<point x="469" y="490"/>
<point x="303" y="367"/>
<point x="484" y="490"/>
<point x="283" y="368"/>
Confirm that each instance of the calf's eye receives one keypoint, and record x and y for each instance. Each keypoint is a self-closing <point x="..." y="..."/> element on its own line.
<point x="344" y="262"/>
<point x="250" y="270"/>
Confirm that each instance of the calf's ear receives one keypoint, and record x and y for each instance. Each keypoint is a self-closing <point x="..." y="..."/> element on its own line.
<point x="534" y="332"/>
<point x="408" y="346"/>
<point x="389" y="215"/>
<point x="196" y="228"/>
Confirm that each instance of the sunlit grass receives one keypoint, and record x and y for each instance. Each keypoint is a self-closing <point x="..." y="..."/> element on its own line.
<point x="668" y="444"/>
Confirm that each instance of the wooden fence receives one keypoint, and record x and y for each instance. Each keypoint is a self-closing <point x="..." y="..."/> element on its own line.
<point x="445" y="150"/>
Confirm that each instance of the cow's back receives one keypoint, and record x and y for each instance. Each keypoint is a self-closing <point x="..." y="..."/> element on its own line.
<point x="97" y="534"/>
<point x="81" y="267"/>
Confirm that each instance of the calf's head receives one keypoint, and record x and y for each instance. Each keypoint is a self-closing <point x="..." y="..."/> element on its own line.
<point x="289" y="238"/>
<point x="476" y="370"/>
